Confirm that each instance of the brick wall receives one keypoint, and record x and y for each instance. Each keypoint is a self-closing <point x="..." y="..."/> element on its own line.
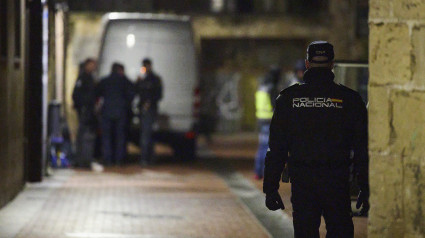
<point x="397" y="118"/>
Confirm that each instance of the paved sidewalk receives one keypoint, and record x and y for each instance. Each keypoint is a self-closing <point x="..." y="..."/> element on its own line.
<point x="170" y="200"/>
<point x="214" y="197"/>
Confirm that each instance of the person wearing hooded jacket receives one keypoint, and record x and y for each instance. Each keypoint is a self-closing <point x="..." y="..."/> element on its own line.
<point x="314" y="128"/>
<point x="117" y="93"/>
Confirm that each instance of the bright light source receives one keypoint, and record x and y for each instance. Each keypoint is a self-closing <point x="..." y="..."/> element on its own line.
<point x="113" y="15"/>
<point x="131" y="40"/>
<point x="217" y="5"/>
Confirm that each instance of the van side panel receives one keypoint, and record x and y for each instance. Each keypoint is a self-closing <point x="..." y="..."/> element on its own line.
<point x="169" y="45"/>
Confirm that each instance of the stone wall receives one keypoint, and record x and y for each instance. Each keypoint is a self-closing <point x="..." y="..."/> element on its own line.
<point x="397" y="118"/>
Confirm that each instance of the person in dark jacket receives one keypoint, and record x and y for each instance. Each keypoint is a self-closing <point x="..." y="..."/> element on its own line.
<point x="264" y="103"/>
<point x="117" y="94"/>
<point x="149" y="89"/>
<point x="314" y="128"/>
<point x="84" y="103"/>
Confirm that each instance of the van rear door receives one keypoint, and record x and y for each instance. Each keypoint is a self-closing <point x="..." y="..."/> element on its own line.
<point x="169" y="44"/>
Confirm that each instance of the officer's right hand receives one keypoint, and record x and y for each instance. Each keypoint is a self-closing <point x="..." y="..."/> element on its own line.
<point x="274" y="201"/>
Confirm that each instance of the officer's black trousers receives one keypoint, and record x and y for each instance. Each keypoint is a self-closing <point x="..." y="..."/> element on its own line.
<point x="317" y="192"/>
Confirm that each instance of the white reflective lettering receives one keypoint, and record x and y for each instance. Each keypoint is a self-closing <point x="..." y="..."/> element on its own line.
<point x="319" y="102"/>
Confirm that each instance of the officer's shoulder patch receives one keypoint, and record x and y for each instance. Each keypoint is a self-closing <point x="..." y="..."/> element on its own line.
<point x="291" y="88"/>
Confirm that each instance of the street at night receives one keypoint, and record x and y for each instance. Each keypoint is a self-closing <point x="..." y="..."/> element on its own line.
<point x="212" y="118"/>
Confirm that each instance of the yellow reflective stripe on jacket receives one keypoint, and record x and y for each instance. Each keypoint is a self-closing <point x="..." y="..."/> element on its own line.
<point x="263" y="105"/>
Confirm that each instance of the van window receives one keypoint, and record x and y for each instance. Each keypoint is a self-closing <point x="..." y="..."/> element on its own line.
<point x="169" y="44"/>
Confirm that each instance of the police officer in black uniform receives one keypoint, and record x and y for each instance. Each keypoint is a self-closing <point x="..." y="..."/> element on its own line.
<point x="314" y="128"/>
<point x="84" y="98"/>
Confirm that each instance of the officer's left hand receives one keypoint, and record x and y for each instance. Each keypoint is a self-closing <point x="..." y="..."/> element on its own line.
<point x="274" y="201"/>
<point x="363" y="201"/>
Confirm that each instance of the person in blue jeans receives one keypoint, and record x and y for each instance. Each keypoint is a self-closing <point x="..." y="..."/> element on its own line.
<point x="117" y="93"/>
<point x="84" y="98"/>
<point x="263" y="145"/>
<point x="264" y="103"/>
<point x="149" y="89"/>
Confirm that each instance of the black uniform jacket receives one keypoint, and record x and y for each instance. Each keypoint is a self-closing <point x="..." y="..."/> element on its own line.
<point x="150" y="90"/>
<point x="117" y="92"/>
<point x="317" y="124"/>
<point x="84" y="98"/>
<point x="84" y="91"/>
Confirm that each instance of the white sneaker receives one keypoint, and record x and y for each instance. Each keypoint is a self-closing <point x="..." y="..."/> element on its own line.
<point x="96" y="167"/>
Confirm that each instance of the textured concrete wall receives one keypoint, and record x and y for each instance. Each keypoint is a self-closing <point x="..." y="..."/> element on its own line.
<point x="397" y="118"/>
<point x="259" y="27"/>
<point x="11" y="120"/>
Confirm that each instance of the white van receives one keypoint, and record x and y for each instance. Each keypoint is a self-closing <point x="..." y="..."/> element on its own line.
<point x="168" y="42"/>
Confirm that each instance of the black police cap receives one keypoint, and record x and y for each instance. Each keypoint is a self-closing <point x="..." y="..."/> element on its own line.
<point x="320" y="52"/>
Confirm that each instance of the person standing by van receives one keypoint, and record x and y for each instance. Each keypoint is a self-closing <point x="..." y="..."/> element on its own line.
<point x="117" y="94"/>
<point x="149" y="89"/>
<point x="84" y="103"/>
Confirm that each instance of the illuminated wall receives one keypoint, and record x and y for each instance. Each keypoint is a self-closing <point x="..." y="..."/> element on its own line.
<point x="397" y="118"/>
